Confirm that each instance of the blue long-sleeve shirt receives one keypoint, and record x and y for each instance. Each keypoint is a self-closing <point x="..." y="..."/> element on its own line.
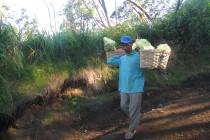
<point x="131" y="77"/>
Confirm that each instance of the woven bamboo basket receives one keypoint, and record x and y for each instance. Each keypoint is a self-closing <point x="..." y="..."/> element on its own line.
<point x="150" y="58"/>
<point x="164" y="59"/>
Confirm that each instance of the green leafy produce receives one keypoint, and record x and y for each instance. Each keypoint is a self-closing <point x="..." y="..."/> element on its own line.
<point x="164" y="47"/>
<point x="142" y="44"/>
<point x="109" y="44"/>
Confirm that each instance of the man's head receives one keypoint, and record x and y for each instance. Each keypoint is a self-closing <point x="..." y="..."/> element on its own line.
<point x="126" y="43"/>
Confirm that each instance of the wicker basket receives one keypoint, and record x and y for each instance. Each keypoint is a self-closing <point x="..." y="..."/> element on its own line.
<point x="149" y="58"/>
<point x="164" y="59"/>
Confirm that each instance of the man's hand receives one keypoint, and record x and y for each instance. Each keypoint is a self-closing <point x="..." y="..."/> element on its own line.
<point x="120" y="51"/>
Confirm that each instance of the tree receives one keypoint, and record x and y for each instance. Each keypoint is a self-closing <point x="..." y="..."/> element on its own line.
<point x="77" y="14"/>
<point x="102" y="3"/>
<point x="4" y="15"/>
<point x="26" y="27"/>
<point x="85" y="14"/>
<point x="146" y="10"/>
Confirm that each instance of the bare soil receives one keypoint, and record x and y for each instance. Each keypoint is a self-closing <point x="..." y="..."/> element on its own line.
<point x="176" y="114"/>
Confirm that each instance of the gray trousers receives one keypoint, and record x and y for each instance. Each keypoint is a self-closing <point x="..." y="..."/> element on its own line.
<point x="131" y="106"/>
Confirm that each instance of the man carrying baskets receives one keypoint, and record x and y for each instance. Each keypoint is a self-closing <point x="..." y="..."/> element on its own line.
<point x="131" y="82"/>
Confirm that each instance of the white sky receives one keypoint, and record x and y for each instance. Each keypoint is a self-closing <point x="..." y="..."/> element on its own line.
<point x="38" y="9"/>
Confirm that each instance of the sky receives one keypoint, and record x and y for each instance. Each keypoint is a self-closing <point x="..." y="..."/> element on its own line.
<point x="38" y="9"/>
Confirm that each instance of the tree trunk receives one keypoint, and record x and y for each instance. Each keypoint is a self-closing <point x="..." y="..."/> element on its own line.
<point x="179" y="3"/>
<point x="102" y="22"/>
<point x="140" y="8"/>
<point x="102" y="3"/>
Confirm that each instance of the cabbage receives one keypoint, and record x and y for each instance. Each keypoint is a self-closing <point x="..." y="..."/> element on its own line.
<point x="147" y="48"/>
<point x="142" y="44"/>
<point x="134" y="46"/>
<point x="164" y="47"/>
<point x="109" y="44"/>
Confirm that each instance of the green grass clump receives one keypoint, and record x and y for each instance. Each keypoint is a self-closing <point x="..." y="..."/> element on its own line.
<point x="36" y="77"/>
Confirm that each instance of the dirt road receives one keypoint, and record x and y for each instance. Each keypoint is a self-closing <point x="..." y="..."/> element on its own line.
<point x="178" y="114"/>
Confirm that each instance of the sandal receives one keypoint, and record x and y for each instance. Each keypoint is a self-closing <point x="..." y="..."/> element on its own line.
<point x="130" y="134"/>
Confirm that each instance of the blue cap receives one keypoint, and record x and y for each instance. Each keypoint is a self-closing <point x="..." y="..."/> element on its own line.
<point x="126" y="39"/>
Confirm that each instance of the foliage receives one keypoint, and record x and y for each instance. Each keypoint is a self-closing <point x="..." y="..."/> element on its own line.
<point x="10" y="65"/>
<point x="64" y="46"/>
<point x="37" y="76"/>
<point x="26" y="27"/>
<point x="7" y="96"/>
<point x="77" y="15"/>
<point x="85" y="14"/>
<point x="11" y="57"/>
<point x="188" y="26"/>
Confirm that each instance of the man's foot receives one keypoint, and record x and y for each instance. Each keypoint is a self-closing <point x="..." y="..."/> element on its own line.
<point x="130" y="134"/>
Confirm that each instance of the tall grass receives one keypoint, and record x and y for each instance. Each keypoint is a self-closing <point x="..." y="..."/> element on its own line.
<point x="10" y="54"/>
<point x="11" y="65"/>
<point x="63" y="46"/>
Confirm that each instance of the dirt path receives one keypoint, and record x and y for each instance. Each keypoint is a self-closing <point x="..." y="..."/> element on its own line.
<point x="180" y="114"/>
<point x="184" y="119"/>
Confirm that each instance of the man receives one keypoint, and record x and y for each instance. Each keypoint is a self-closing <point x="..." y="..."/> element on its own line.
<point x="131" y="82"/>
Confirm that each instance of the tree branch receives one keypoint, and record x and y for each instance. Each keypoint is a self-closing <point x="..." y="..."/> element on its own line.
<point x="98" y="13"/>
<point x="102" y="3"/>
<point x="146" y="14"/>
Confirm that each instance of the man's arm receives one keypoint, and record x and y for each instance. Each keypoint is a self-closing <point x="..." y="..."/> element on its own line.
<point x="115" y="60"/>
